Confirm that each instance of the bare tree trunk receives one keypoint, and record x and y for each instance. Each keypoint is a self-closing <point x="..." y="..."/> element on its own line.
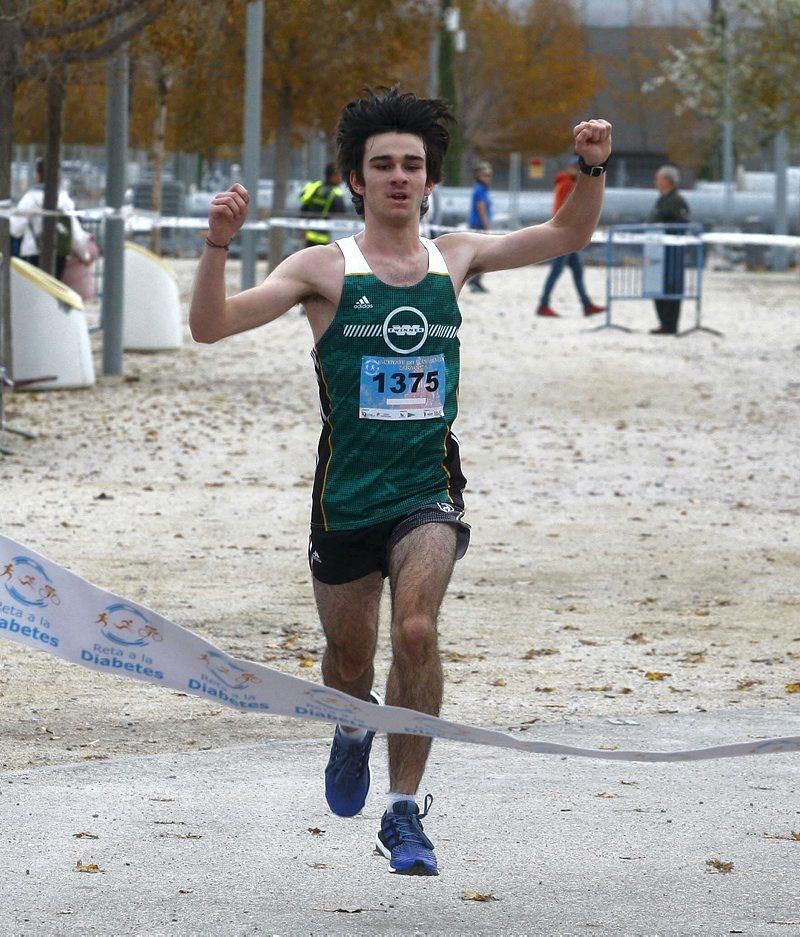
<point x="9" y="50"/>
<point x="12" y="45"/>
<point x="159" y="153"/>
<point x="283" y="137"/>
<point x="56" y="95"/>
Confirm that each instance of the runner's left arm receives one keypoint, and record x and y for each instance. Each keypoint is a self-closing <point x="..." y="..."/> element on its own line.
<point x="570" y="229"/>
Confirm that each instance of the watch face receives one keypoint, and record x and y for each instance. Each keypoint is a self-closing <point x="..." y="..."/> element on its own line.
<point x="596" y="171"/>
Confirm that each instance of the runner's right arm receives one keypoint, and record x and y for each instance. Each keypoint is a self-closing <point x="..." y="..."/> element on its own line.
<point x="212" y="314"/>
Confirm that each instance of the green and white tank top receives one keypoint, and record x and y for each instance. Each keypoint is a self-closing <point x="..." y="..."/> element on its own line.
<point x="388" y="371"/>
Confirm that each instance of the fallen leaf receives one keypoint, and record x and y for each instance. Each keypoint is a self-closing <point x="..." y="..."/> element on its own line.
<point x="478" y="896"/>
<point x="315" y="831"/>
<point x="605" y="794"/>
<point x="86" y="836"/>
<point x="718" y="865"/>
<point x="793" y="687"/>
<point x="539" y="652"/>
<point x="746" y="684"/>
<point x="499" y="682"/>
<point x="341" y="910"/>
<point x="88" y="867"/>
<point x="656" y="675"/>
<point x="636" y="638"/>
<point x="307" y="663"/>
<point x="456" y="657"/>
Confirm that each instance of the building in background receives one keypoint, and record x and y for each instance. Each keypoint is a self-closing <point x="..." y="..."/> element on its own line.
<point x="630" y="38"/>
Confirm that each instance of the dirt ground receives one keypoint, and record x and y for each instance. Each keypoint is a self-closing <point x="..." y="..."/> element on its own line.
<point x="634" y="502"/>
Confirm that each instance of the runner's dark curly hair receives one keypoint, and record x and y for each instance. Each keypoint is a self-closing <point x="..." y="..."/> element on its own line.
<point x="387" y="110"/>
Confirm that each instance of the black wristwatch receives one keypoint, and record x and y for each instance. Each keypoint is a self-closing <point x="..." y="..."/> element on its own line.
<point x="588" y="170"/>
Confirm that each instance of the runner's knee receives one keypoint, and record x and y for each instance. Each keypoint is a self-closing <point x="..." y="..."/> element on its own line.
<point x="414" y="638"/>
<point x="350" y="663"/>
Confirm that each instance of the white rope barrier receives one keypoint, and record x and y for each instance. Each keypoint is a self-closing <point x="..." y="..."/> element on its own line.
<point x="46" y="607"/>
<point x="142" y="222"/>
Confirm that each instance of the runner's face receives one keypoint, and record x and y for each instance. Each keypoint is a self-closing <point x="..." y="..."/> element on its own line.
<point x="394" y="176"/>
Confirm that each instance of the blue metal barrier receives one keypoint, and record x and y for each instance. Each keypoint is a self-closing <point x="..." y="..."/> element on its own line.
<point x="654" y="261"/>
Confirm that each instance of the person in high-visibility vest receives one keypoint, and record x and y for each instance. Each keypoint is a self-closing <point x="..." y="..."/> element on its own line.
<point x="323" y="197"/>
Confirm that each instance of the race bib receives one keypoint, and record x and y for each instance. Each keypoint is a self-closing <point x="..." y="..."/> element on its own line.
<point x="402" y="388"/>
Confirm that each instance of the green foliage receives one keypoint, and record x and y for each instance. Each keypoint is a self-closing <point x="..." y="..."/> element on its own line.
<point x="742" y="67"/>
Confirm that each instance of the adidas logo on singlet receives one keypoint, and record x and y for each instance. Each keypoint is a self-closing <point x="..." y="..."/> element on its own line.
<point x="362" y="303"/>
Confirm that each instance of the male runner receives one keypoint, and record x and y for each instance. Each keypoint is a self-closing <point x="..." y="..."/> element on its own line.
<point x="382" y="307"/>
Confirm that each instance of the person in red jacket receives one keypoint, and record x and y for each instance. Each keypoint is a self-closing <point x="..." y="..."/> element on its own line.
<point x="564" y="184"/>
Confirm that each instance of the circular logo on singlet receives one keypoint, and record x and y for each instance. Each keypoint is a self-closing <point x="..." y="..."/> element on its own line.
<point x="405" y="329"/>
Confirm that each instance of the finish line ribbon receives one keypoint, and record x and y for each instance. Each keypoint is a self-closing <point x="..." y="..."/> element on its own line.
<point x="47" y="607"/>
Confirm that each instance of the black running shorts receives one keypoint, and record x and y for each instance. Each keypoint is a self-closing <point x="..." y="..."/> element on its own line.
<point x="339" y="556"/>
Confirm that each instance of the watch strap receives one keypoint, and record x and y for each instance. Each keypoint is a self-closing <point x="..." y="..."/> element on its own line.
<point x="588" y="170"/>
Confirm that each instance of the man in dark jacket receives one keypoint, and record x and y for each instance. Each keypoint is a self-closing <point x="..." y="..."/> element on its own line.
<point x="670" y="206"/>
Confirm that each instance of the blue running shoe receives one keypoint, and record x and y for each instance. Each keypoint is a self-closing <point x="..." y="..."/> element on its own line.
<point x="403" y="842"/>
<point x="347" y="775"/>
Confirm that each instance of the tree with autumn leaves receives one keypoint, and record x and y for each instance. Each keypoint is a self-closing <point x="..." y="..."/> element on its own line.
<point x="517" y="88"/>
<point x="159" y="56"/>
<point x="318" y="55"/>
<point x="40" y="42"/>
<point x="523" y="78"/>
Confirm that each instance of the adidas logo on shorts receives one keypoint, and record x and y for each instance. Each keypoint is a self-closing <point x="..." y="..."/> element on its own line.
<point x="362" y="303"/>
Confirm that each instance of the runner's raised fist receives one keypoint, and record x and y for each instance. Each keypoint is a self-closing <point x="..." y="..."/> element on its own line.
<point x="593" y="141"/>
<point x="228" y="213"/>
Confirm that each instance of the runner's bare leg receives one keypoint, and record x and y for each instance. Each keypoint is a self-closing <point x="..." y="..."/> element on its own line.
<point x="349" y="617"/>
<point x="420" y="568"/>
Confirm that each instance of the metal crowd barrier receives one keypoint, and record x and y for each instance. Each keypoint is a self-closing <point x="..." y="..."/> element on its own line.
<point x="654" y="261"/>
